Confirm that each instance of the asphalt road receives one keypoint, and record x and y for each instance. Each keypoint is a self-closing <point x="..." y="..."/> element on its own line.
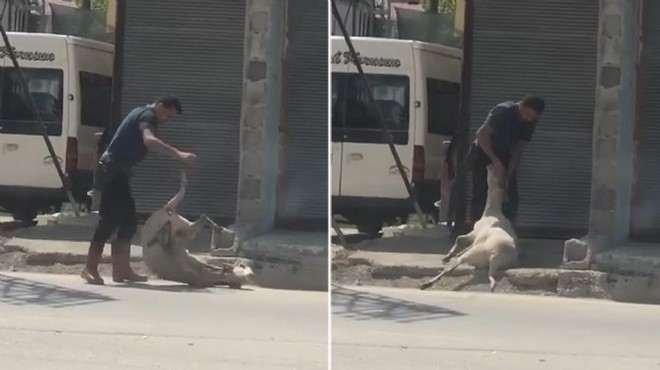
<point x="55" y="322"/>
<point x="388" y="328"/>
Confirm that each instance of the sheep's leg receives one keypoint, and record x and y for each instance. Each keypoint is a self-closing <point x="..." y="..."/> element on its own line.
<point x="497" y="262"/>
<point x="463" y="242"/>
<point x="191" y="231"/>
<point x="430" y="283"/>
<point x="200" y="265"/>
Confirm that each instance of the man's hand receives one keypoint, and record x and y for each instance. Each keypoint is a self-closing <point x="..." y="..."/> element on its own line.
<point x="187" y="158"/>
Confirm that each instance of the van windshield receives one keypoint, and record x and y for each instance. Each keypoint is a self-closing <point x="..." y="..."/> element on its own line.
<point x="353" y="118"/>
<point x="46" y="87"/>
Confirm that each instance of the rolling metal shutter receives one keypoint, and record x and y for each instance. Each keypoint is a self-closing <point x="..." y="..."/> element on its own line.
<point x="547" y="48"/>
<point x="646" y="204"/>
<point x="194" y="50"/>
<point x="304" y="189"/>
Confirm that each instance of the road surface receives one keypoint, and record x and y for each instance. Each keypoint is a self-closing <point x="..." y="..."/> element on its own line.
<point x="55" y="322"/>
<point x="389" y="328"/>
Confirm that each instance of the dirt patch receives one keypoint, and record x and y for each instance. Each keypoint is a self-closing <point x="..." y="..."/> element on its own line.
<point x="18" y="261"/>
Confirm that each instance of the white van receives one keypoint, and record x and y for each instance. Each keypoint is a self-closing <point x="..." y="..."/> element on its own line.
<point x="70" y="80"/>
<point x="417" y="86"/>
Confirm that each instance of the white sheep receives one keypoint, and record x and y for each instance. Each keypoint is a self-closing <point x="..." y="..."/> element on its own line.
<point x="491" y="243"/>
<point x="165" y="236"/>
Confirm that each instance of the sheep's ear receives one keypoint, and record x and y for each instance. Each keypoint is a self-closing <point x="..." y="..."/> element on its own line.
<point x="164" y="235"/>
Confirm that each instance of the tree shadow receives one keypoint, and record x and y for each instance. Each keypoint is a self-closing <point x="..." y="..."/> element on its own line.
<point x="358" y="305"/>
<point x="21" y="292"/>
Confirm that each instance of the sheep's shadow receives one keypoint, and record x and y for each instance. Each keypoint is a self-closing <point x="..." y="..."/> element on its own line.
<point x="359" y="305"/>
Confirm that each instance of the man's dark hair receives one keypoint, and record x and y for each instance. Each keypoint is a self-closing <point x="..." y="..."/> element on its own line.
<point x="535" y="102"/>
<point x="171" y="102"/>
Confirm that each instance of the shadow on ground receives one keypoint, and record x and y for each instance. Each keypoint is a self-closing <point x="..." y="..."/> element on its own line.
<point x="359" y="305"/>
<point x="21" y="292"/>
<point x="183" y="288"/>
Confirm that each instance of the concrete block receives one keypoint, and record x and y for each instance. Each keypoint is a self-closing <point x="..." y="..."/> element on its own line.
<point x="608" y="99"/>
<point x="633" y="289"/>
<point x="250" y="189"/>
<point x="257" y="47"/>
<point x="591" y="284"/>
<point x="612" y="7"/>
<point x="256" y="70"/>
<point x="605" y="172"/>
<point x="251" y="164"/>
<point x="611" y="49"/>
<point x="608" y="125"/>
<point x="612" y="25"/>
<point x="259" y="22"/>
<point x="606" y="149"/>
<point x="602" y="222"/>
<point x="604" y="199"/>
<point x="259" y="6"/>
<point x="610" y="76"/>
<point x="255" y="116"/>
<point x="576" y="254"/>
<point x="249" y="211"/>
<point x="533" y="278"/>
<point x="252" y="139"/>
<point x="255" y="93"/>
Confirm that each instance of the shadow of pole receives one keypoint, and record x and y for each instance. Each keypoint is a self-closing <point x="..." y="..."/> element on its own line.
<point x="21" y="292"/>
<point x="359" y="305"/>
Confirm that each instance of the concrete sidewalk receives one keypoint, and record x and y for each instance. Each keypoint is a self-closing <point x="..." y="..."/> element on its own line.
<point x="404" y="257"/>
<point x="280" y="259"/>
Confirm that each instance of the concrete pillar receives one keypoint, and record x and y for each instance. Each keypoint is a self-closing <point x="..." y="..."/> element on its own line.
<point x="260" y="117"/>
<point x="614" y="122"/>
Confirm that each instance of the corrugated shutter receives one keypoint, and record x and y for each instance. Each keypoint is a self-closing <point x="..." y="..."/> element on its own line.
<point x="646" y="206"/>
<point x="304" y="190"/>
<point x="194" y="50"/>
<point x="548" y="48"/>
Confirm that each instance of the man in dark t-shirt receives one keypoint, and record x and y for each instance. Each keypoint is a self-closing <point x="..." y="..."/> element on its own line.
<point x="134" y="138"/>
<point x="500" y="141"/>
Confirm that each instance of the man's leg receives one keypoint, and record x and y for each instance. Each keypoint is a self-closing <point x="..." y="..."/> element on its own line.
<point x="106" y="227"/>
<point x="479" y="189"/>
<point x="459" y="184"/>
<point x="121" y="248"/>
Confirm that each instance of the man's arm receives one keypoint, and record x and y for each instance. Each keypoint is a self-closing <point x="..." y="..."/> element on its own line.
<point x="155" y="144"/>
<point x="485" y="134"/>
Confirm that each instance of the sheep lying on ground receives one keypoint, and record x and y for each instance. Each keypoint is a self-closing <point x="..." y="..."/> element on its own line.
<point x="165" y="236"/>
<point x="491" y="243"/>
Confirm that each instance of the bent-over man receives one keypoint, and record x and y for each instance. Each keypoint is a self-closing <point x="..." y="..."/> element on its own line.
<point x="134" y="138"/>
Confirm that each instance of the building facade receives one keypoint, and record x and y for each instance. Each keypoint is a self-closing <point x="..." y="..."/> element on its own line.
<point x="252" y="78"/>
<point x="593" y="168"/>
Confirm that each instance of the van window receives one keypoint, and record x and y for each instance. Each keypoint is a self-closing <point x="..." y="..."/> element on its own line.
<point x="443" y="102"/>
<point x="45" y="86"/>
<point x="95" y="99"/>
<point x="353" y="119"/>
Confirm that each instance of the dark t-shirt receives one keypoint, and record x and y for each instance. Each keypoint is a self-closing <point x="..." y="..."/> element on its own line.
<point x="508" y="129"/>
<point x="127" y="146"/>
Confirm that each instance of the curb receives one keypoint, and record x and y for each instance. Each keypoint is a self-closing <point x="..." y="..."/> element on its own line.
<point x="628" y="288"/>
<point x="51" y="258"/>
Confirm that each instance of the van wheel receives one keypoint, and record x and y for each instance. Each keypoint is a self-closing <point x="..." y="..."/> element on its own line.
<point x="27" y="214"/>
<point x="371" y="228"/>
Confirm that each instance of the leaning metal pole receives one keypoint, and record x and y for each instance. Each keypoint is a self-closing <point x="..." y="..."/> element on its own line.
<point x="381" y="119"/>
<point x="42" y="128"/>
